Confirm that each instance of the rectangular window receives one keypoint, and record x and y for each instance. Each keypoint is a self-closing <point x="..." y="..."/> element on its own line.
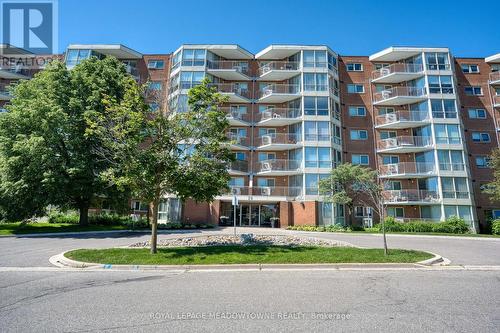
<point x="483" y="162"/>
<point x="360" y="159"/>
<point x="315" y="82"/>
<point x="315" y="59"/>
<point x="318" y="157"/>
<point x="390" y="159"/>
<point x="473" y="91"/>
<point x="470" y="68"/>
<point x="359" y="134"/>
<point x="316" y="106"/>
<point x="481" y="137"/>
<point x="437" y="61"/>
<point x="355" y="88"/>
<point x="443" y="108"/>
<point x="357" y="111"/>
<point x="440" y="84"/>
<point x="397" y="212"/>
<point x="477" y="113"/>
<point x="317" y="130"/>
<point x="265" y="182"/>
<point x="154" y="86"/>
<point x="363" y="211"/>
<point x="387" y="134"/>
<point x="354" y="67"/>
<point x="156" y="64"/>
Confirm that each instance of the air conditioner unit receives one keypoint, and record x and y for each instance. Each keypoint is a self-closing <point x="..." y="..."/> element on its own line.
<point x="391" y="142"/>
<point x="276" y="116"/>
<point x="386" y="94"/>
<point x="391" y="117"/>
<point x="235" y="114"/>
<point x="384" y="71"/>
<point x="266" y="68"/>
<point x="399" y="219"/>
<point x="266" y="191"/>
<point x="267" y="140"/>
<point x="267" y="114"/>
<point x="267" y="91"/>
<point x="393" y="169"/>
<point x="236" y="191"/>
<point x="266" y="166"/>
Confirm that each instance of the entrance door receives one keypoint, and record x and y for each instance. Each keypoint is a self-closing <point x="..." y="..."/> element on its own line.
<point x="249" y="215"/>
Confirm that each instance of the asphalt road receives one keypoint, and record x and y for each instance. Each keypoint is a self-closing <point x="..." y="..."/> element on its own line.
<point x="265" y="301"/>
<point x="35" y="297"/>
<point x="35" y="251"/>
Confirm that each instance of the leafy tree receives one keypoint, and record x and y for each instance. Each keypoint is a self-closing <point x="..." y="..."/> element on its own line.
<point x="351" y="185"/>
<point x="156" y="154"/>
<point x="493" y="188"/>
<point x="46" y="154"/>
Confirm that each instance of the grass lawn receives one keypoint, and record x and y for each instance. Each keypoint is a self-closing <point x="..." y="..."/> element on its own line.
<point x="254" y="254"/>
<point x="33" y="228"/>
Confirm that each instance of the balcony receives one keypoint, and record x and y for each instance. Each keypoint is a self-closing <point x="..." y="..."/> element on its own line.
<point x="264" y="192"/>
<point x="410" y="197"/>
<point x="235" y="91"/>
<point x="236" y="117"/>
<point x="4" y="93"/>
<point x="397" y="73"/>
<point x="404" y="144"/>
<point x="13" y="73"/>
<point x="278" y="167"/>
<point x="496" y="101"/>
<point x="407" y="170"/>
<point x="229" y="70"/>
<point x="279" y="117"/>
<point x="402" y="119"/>
<point x="279" y="93"/>
<point x="495" y="78"/>
<point x="400" y="96"/>
<point x="278" y="70"/>
<point x="238" y="142"/>
<point x="278" y="141"/>
<point x="238" y="167"/>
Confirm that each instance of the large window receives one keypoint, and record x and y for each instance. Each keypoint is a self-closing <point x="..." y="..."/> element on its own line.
<point x="454" y="188"/>
<point x="312" y="182"/>
<point x="397" y="212"/>
<point x="317" y="130"/>
<point x="473" y="91"/>
<point x="482" y="161"/>
<point x="74" y="57"/>
<point x="315" y="82"/>
<point x="462" y="212"/>
<point x="450" y="160"/>
<point x="354" y="67"/>
<point x="318" y="157"/>
<point x="359" y="134"/>
<point x="440" y="84"/>
<point x="192" y="57"/>
<point x="315" y="59"/>
<point x="191" y="79"/>
<point x="443" y="108"/>
<point x="477" y="113"/>
<point x="357" y="111"/>
<point x="357" y="159"/>
<point x="316" y="106"/>
<point x="437" y="61"/>
<point x="470" y="68"/>
<point x="447" y="134"/>
<point x="480" y="137"/>
<point x="156" y="64"/>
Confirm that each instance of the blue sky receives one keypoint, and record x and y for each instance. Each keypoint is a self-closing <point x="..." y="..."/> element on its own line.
<point x="348" y="27"/>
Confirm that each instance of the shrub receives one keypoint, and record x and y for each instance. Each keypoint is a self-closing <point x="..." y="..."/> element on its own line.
<point x="495" y="227"/>
<point x="64" y="218"/>
<point x="452" y="225"/>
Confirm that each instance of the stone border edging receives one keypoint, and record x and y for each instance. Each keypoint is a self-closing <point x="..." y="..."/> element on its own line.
<point x="61" y="261"/>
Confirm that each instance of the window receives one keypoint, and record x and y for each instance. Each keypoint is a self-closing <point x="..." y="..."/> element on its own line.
<point x="317" y="130"/>
<point x="239" y="156"/>
<point x="443" y="108"/>
<point x="473" y="91"/>
<point x="355" y="88"/>
<point x="440" y="84"/>
<point x="357" y="111"/>
<point x="155" y="85"/>
<point x="154" y="107"/>
<point x="392" y="185"/>
<point x="451" y="160"/>
<point x="267" y="131"/>
<point x="477" y="113"/>
<point x="483" y="162"/>
<point x="312" y="182"/>
<point x="447" y="134"/>
<point x="316" y="106"/>
<point x="318" y="157"/>
<point x="315" y="82"/>
<point x="156" y="64"/>
<point x="360" y="159"/>
<point x="387" y="134"/>
<point x="265" y="182"/>
<point x="462" y="212"/>
<point x="363" y="211"/>
<point x="354" y="67"/>
<point x="237" y="111"/>
<point x="332" y="61"/>
<point x="263" y="156"/>
<point x="176" y="60"/>
<point x="315" y="59"/>
<point x="359" y="134"/>
<point x="454" y="188"/>
<point x="397" y="212"/>
<point x="237" y="133"/>
<point x="74" y="57"/>
<point x="237" y="182"/>
<point x="193" y="57"/>
<point x="480" y="137"/>
<point x="139" y="206"/>
<point x="390" y="159"/>
<point x="469" y="68"/>
<point x="190" y="79"/>
<point x="437" y="61"/>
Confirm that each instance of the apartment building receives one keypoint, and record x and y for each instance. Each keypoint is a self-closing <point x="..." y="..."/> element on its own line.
<point x="424" y="119"/>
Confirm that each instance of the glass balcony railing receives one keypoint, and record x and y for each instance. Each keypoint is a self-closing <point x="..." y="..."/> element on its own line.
<point x="405" y="142"/>
<point x="232" y="88"/>
<point x="239" y="66"/>
<point x="397" y="68"/>
<point x="410" y="92"/>
<point x="401" y="116"/>
<point x="279" y="113"/>
<point x="446" y="140"/>
<point x="238" y="140"/>
<point x="410" y="196"/>
<point x="281" y="191"/>
<point x="407" y="169"/>
<point x="278" y="65"/>
<point x="239" y="166"/>
<point x="237" y="114"/>
<point x="270" y="166"/>
<point x="278" y="88"/>
<point x="496" y="100"/>
<point x="278" y="139"/>
<point x="495" y="77"/>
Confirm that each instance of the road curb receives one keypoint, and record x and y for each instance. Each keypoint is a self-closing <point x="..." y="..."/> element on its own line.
<point x="61" y="261"/>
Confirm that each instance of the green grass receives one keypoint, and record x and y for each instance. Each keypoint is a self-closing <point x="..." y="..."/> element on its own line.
<point x="34" y="228"/>
<point x="254" y="254"/>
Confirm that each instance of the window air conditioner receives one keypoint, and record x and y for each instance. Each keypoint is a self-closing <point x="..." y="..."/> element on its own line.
<point x="391" y="142"/>
<point x="266" y="191"/>
<point x="266" y="166"/>
<point x="384" y="71"/>
<point x="390" y="117"/>
<point x="267" y="139"/>
<point x="386" y="94"/>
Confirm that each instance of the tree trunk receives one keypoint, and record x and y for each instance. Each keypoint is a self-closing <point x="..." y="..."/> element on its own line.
<point x="84" y="213"/>
<point x="382" y="220"/>
<point x="154" y="226"/>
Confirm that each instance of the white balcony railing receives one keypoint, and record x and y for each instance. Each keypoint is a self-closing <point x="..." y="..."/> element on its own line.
<point x="413" y="196"/>
<point x="407" y="168"/>
<point x="405" y="142"/>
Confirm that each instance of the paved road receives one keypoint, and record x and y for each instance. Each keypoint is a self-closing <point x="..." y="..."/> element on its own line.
<point x="114" y="301"/>
<point x="35" y="251"/>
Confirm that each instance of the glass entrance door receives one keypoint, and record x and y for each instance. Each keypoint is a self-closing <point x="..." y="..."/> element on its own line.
<point x="249" y="215"/>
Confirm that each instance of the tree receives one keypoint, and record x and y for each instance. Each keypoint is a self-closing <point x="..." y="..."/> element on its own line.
<point x="168" y="153"/>
<point x="350" y="184"/>
<point x="45" y="150"/>
<point x="493" y="188"/>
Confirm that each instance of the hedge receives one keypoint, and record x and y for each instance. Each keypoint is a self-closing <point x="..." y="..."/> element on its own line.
<point x="495" y="227"/>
